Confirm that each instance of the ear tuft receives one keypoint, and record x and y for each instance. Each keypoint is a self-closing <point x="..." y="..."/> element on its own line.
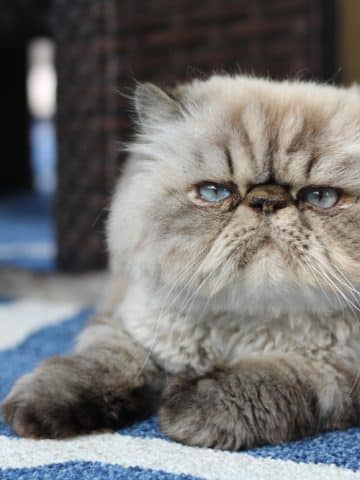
<point x="153" y="104"/>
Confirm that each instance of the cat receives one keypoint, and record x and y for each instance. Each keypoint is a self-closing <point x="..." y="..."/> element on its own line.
<point x="236" y="229"/>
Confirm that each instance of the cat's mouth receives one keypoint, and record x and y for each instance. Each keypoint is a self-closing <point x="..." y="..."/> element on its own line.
<point x="267" y="236"/>
<point x="268" y="241"/>
<point x="272" y="253"/>
<point x="268" y="246"/>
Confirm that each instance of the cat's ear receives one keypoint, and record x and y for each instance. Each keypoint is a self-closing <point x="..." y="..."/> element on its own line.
<point x="152" y="104"/>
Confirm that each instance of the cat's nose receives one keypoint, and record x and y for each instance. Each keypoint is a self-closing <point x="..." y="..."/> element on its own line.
<point x="268" y="198"/>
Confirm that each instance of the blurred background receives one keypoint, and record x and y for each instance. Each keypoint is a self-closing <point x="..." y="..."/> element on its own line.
<point x="63" y="64"/>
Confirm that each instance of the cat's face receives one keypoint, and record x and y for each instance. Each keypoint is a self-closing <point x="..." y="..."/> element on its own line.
<point x="245" y="190"/>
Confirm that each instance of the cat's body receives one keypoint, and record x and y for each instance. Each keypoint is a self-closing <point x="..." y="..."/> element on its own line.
<point x="236" y="224"/>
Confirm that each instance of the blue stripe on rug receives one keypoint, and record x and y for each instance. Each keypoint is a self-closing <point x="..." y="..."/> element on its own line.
<point x="88" y="471"/>
<point x="341" y="448"/>
<point x="145" y="429"/>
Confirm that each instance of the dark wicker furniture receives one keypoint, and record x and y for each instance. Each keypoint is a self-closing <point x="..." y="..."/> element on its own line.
<point x="103" y="45"/>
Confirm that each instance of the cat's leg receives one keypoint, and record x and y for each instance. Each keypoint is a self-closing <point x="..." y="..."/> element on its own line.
<point x="107" y="383"/>
<point x="265" y="401"/>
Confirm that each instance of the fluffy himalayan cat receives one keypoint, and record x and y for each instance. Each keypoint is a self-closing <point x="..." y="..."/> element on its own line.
<point x="237" y="225"/>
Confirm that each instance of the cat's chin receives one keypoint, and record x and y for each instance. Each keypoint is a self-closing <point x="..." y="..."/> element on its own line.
<point x="268" y="286"/>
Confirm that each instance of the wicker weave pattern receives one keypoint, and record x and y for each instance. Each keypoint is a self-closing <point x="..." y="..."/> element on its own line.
<point x="103" y="45"/>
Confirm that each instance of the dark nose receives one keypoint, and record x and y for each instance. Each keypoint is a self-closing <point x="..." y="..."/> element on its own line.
<point x="268" y="198"/>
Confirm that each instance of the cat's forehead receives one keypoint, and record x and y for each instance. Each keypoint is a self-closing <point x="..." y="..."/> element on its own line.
<point x="296" y="133"/>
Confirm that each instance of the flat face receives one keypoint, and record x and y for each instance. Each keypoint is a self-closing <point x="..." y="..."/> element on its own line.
<point x="251" y="188"/>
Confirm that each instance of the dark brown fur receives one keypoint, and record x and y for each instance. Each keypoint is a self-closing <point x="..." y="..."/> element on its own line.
<point x="233" y="408"/>
<point x="69" y="396"/>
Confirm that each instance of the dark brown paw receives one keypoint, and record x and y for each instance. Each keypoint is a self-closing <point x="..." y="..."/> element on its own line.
<point x="197" y="412"/>
<point x="237" y="409"/>
<point x="68" y="396"/>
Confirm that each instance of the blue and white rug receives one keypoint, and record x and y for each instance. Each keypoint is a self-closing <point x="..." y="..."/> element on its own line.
<point x="31" y="330"/>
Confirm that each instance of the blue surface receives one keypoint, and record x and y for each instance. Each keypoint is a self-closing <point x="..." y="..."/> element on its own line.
<point x="6" y="299"/>
<point x="30" y="263"/>
<point x="27" y="219"/>
<point x="341" y="448"/>
<point x="88" y="471"/>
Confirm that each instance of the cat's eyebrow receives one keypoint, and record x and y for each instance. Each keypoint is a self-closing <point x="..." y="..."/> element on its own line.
<point x="229" y="161"/>
<point x="313" y="160"/>
<point x="299" y="139"/>
<point x="246" y="142"/>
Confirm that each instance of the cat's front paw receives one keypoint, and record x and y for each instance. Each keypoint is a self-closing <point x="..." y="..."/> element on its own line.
<point x="246" y="407"/>
<point x="198" y="412"/>
<point x="68" y="396"/>
<point x="51" y="402"/>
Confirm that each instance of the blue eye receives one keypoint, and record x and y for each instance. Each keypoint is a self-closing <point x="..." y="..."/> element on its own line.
<point x="320" y="197"/>
<point x="213" y="192"/>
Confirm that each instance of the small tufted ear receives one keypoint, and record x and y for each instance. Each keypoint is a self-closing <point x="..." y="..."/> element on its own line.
<point x="153" y="104"/>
